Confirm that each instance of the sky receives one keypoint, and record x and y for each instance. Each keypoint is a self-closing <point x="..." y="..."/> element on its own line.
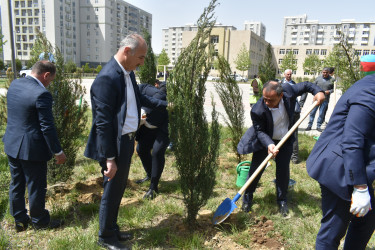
<point x="169" y="13"/>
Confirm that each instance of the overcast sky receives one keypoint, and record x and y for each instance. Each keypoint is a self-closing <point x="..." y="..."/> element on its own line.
<point x="168" y="13"/>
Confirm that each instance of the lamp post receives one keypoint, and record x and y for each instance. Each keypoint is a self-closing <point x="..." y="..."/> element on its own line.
<point x="12" y="39"/>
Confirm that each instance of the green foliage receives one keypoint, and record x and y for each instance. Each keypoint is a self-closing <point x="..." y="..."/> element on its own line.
<point x="196" y="143"/>
<point x="70" y="118"/>
<point x="98" y="69"/>
<point x="147" y="72"/>
<point x="267" y="69"/>
<point x="289" y="62"/>
<point x="18" y="64"/>
<point x="312" y="64"/>
<point x="70" y="67"/>
<point x="3" y="98"/>
<point x="2" y="42"/>
<point x="2" y="64"/>
<point x="86" y="68"/>
<point x="231" y="98"/>
<point x="346" y="62"/>
<point x="163" y="60"/>
<point x="243" y="62"/>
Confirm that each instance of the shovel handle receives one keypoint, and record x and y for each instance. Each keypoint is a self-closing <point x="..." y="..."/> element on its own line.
<point x="283" y="140"/>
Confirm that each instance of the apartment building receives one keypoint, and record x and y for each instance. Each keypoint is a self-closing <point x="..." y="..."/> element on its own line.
<point x="227" y="41"/>
<point x="84" y="30"/>
<point x="304" y="37"/>
<point x="256" y="27"/>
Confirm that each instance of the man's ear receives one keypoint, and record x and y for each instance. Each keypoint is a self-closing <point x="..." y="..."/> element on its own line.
<point x="46" y="75"/>
<point x="282" y="94"/>
<point x="127" y="50"/>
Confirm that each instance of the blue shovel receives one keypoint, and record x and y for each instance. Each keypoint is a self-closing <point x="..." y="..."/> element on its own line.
<point x="228" y="205"/>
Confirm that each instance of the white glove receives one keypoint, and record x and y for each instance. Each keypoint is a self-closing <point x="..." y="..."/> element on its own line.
<point x="361" y="202"/>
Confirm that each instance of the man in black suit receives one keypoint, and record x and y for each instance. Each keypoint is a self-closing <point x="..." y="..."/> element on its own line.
<point x="153" y="138"/>
<point x="116" y="111"/>
<point x="272" y="117"/>
<point x="30" y="140"/>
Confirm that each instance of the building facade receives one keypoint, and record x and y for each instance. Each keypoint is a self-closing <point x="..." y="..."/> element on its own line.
<point x="305" y="37"/>
<point x="256" y="27"/>
<point x="84" y="30"/>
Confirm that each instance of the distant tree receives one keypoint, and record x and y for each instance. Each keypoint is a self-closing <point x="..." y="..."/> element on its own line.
<point x="3" y="98"/>
<point x="2" y="42"/>
<point x="312" y="64"/>
<point x="147" y="72"/>
<point x="163" y="60"/>
<point x="243" y="61"/>
<point x="1" y="64"/>
<point x="289" y="62"/>
<point x="86" y="68"/>
<point x="231" y="97"/>
<point x="98" y="69"/>
<point x="70" y="118"/>
<point x="196" y="143"/>
<point x="18" y="64"/>
<point x="346" y="62"/>
<point x="70" y="67"/>
<point x="267" y="69"/>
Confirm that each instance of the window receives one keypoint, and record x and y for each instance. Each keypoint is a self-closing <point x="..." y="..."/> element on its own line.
<point x="366" y="52"/>
<point x="280" y="61"/>
<point x="295" y="51"/>
<point x="288" y="50"/>
<point x="316" y="51"/>
<point x="373" y="52"/>
<point x="323" y="52"/>
<point x="214" y="39"/>
<point x="358" y="52"/>
<point x="308" y="51"/>
<point x="282" y="51"/>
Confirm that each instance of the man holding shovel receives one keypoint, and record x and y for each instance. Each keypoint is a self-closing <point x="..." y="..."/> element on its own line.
<point x="272" y="117"/>
<point x="343" y="162"/>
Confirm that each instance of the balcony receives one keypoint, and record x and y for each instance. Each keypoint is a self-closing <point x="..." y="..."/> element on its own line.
<point x="351" y="41"/>
<point x="366" y="29"/>
<point x="320" y="30"/>
<point x="320" y="36"/>
<point x="307" y="30"/>
<point x="351" y="35"/>
<point x="294" y="30"/>
<point x="364" y="35"/>
<point x="306" y="35"/>
<point x="293" y="42"/>
<point x="306" y="41"/>
<point x="294" y="36"/>
<point x="364" y="42"/>
<point x="319" y="41"/>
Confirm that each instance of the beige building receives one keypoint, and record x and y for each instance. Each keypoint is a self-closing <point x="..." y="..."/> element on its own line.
<point x="305" y="37"/>
<point x="228" y="42"/>
<point x="256" y="27"/>
<point x="84" y="30"/>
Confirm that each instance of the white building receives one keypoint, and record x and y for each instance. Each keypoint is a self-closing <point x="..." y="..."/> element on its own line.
<point x="256" y="27"/>
<point x="84" y="30"/>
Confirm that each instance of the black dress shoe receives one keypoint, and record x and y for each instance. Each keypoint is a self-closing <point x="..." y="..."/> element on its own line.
<point x="246" y="207"/>
<point x="112" y="245"/>
<point x="150" y="194"/>
<point x="123" y="236"/>
<point x="308" y="128"/>
<point x="319" y="129"/>
<point x="142" y="180"/>
<point x="51" y="225"/>
<point x="22" y="225"/>
<point x="283" y="209"/>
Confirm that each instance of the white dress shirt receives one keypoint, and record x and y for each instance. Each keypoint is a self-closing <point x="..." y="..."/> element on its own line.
<point x="280" y="121"/>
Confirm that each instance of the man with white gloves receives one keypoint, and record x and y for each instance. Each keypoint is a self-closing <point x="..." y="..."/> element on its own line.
<point x="343" y="162"/>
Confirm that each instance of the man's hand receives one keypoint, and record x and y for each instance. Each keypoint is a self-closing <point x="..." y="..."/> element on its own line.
<point x="61" y="158"/>
<point x="272" y="150"/>
<point x="361" y="201"/>
<point x="327" y="92"/>
<point x="111" y="169"/>
<point x="319" y="97"/>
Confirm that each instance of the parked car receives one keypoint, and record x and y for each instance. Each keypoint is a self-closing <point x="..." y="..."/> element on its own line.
<point x="213" y="78"/>
<point x="25" y="72"/>
<point x="239" y="78"/>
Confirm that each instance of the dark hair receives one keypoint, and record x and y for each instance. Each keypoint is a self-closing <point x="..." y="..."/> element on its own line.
<point x="255" y="76"/>
<point x="331" y="70"/>
<point x="273" y="85"/>
<point x="157" y="81"/>
<point x="44" y="66"/>
<point x="327" y="69"/>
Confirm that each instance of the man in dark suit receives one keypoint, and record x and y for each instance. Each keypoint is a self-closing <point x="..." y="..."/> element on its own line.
<point x="30" y="140"/>
<point x="272" y="117"/>
<point x="343" y="162"/>
<point x="116" y="107"/>
<point x="153" y="138"/>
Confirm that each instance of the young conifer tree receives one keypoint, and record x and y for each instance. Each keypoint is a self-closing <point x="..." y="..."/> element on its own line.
<point x="147" y="72"/>
<point x="231" y="97"/>
<point x="196" y="143"/>
<point x="68" y="109"/>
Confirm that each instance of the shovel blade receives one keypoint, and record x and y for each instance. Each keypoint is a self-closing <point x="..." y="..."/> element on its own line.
<point x="223" y="211"/>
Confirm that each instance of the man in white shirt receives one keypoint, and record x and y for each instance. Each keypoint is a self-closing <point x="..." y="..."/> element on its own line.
<point x="116" y="108"/>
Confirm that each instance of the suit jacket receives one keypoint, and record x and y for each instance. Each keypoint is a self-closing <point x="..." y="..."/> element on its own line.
<point x="108" y="102"/>
<point x="30" y="133"/>
<point x="344" y="155"/>
<point x="259" y="136"/>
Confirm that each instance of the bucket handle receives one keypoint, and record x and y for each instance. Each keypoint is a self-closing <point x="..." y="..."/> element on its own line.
<point x="242" y="163"/>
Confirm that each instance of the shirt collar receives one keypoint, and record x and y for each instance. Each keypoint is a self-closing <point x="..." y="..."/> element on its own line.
<point x="122" y="68"/>
<point x="39" y="82"/>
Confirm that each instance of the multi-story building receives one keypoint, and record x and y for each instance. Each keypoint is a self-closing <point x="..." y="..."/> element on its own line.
<point x="256" y="27"/>
<point x="84" y="30"/>
<point x="304" y="37"/>
<point x="228" y="42"/>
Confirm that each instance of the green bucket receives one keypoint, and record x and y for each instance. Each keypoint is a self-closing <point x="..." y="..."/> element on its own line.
<point x="242" y="172"/>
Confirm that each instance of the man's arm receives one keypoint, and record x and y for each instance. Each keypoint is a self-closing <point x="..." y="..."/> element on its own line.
<point x="314" y="89"/>
<point x="260" y="124"/>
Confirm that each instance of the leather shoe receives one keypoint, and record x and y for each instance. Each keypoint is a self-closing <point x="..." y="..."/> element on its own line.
<point x="308" y="128"/>
<point x="123" y="236"/>
<point x="295" y="161"/>
<point x="246" y="207"/>
<point x="142" y="180"/>
<point x="51" y="225"/>
<point x="283" y="209"/>
<point x="112" y="245"/>
<point x="319" y="129"/>
<point x="150" y="194"/>
<point x="22" y="226"/>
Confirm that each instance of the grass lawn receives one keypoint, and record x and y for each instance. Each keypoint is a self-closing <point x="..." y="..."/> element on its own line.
<point x="159" y="223"/>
